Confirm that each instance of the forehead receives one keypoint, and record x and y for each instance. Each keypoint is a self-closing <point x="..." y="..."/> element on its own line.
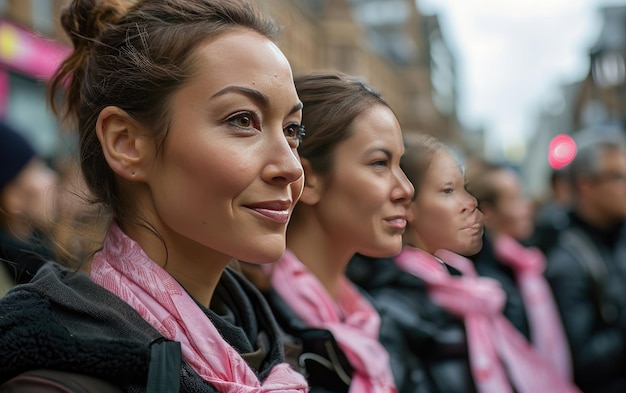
<point x="613" y="158"/>
<point x="505" y="179"/>
<point x="377" y="124"/>
<point x="443" y="162"/>
<point x="241" y="57"/>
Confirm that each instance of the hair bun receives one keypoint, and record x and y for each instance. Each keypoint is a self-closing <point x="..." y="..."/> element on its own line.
<point x="85" y="20"/>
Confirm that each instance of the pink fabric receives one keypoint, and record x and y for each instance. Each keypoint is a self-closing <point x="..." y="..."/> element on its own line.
<point x="123" y="268"/>
<point x="545" y="323"/>
<point x="500" y="357"/>
<point x="356" y="334"/>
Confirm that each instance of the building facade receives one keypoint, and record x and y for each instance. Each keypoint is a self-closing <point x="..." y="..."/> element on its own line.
<point x="388" y="43"/>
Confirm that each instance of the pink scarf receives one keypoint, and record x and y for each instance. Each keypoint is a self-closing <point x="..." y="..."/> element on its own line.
<point x="500" y="357"/>
<point x="357" y="334"/>
<point x="545" y="323"/>
<point x="123" y="268"/>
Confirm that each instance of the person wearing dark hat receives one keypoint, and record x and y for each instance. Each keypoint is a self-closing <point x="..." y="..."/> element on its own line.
<point x="27" y="190"/>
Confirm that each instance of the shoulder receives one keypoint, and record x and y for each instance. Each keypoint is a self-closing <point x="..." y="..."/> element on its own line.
<point x="50" y="381"/>
<point x="570" y="254"/>
<point x="63" y="320"/>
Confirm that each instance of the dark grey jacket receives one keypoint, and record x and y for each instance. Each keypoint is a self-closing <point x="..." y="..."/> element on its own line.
<point x="587" y="273"/>
<point x="426" y="344"/>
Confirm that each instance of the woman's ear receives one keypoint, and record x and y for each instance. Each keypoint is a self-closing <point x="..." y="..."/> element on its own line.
<point x="124" y="143"/>
<point x="313" y="184"/>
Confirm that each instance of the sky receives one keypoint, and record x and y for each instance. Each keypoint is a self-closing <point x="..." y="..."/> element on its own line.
<point x="512" y="56"/>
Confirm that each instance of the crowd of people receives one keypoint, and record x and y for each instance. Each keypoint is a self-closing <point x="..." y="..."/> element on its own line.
<point x="238" y="228"/>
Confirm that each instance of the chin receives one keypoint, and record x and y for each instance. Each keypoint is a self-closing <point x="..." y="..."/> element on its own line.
<point x="266" y="253"/>
<point x="384" y="251"/>
<point x="264" y="249"/>
<point x="267" y="257"/>
<point x="472" y="250"/>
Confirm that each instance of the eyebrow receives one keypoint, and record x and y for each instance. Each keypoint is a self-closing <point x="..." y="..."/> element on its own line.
<point x="255" y="95"/>
<point x="296" y="108"/>
<point x="387" y="152"/>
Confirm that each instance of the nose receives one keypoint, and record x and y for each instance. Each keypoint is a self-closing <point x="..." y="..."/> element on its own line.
<point x="403" y="191"/>
<point x="470" y="203"/>
<point x="284" y="166"/>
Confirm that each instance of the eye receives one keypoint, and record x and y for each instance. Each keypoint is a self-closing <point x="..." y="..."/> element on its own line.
<point x="448" y="190"/>
<point x="245" y="120"/>
<point x="294" y="133"/>
<point x="380" y="163"/>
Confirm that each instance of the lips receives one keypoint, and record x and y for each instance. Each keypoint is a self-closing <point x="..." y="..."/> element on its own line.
<point x="475" y="227"/>
<point x="276" y="211"/>
<point x="398" y="222"/>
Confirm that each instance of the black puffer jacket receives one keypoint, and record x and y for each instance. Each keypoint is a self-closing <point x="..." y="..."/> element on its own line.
<point x="62" y="320"/>
<point x="426" y="344"/>
<point x="587" y="273"/>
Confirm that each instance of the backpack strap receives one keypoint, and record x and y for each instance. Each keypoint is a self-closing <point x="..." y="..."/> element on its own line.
<point x="165" y="363"/>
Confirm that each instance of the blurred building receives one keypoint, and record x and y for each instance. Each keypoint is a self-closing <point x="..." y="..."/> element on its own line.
<point x="603" y="95"/>
<point x="388" y="43"/>
<point x="598" y="99"/>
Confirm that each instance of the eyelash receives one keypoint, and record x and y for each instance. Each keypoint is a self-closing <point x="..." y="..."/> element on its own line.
<point x="254" y="120"/>
<point x="297" y="134"/>
<point x="296" y="131"/>
<point x="380" y="163"/>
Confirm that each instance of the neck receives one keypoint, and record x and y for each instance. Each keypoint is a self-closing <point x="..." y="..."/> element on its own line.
<point x="196" y="268"/>
<point x="412" y="239"/>
<point x="326" y="259"/>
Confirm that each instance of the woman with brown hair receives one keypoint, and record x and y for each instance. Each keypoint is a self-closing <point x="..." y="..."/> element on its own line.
<point x="189" y="124"/>
<point x="355" y="199"/>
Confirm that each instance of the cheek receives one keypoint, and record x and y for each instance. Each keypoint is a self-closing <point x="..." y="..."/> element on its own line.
<point x="359" y="192"/>
<point x="518" y="217"/>
<point x="197" y="180"/>
<point x="435" y="223"/>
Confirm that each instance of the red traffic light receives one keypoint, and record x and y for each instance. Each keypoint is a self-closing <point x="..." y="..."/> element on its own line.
<point x="561" y="151"/>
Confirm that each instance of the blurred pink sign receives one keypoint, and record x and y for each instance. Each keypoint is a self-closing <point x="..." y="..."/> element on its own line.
<point x="28" y="53"/>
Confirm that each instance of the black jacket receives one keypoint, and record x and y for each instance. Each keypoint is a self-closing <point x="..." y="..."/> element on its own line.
<point x="61" y="320"/>
<point x="426" y="344"/>
<point x="587" y="273"/>
<point x="313" y="351"/>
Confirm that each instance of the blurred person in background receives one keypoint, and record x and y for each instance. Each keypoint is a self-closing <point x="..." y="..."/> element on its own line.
<point x="442" y="324"/>
<point x="77" y="212"/>
<point x="355" y="199"/>
<point x="28" y="189"/>
<point x="587" y="265"/>
<point x="520" y="269"/>
<point x="551" y="215"/>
